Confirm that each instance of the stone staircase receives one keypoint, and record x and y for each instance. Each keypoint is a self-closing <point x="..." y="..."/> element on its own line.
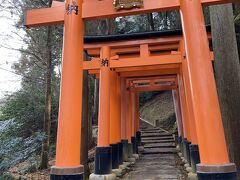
<point x="158" y="141"/>
<point x="159" y="160"/>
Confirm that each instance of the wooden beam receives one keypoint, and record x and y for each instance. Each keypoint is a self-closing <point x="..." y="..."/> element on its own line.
<point x="45" y="16"/>
<point x="145" y="68"/>
<point x="157" y="80"/>
<point x="91" y="65"/>
<point x="55" y="14"/>
<point x="214" y="2"/>
<point x="136" y="62"/>
<point x="151" y="41"/>
<point x="154" y="88"/>
<point x="133" y="72"/>
<point x="153" y="77"/>
<point x="134" y="49"/>
<point x="94" y="72"/>
<point x="106" y="9"/>
<point x="146" y="61"/>
<point x="166" y="47"/>
<point x="150" y="73"/>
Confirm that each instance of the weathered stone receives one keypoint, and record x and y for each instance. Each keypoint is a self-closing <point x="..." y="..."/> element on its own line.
<point x="103" y="177"/>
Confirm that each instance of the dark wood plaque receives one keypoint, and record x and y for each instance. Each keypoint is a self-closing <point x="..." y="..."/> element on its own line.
<point x="127" y="4"/>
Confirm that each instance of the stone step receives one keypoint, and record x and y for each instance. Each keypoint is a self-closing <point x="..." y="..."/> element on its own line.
<point x="160" y="145"/>
<point x="159" y="151"/>
<point x="155" y="134"/>
<point x="159" y="158"/>
<point x="158" y="138"/>
<point x="152" y="131"/>
<point x="148" y="175"/>
<point x="157" y="141"/>
<point x="153" y="128"/>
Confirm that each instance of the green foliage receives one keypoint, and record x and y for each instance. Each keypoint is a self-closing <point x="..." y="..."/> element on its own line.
<point x="8" y="176"/>
<point x="21" y="116"/>
<point x="23" y="137"/>
<point x="26" y="107"/>
<point x="14" y="149"/>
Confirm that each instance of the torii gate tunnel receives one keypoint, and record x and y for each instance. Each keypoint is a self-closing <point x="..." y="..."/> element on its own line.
<point x="181" y="63"/>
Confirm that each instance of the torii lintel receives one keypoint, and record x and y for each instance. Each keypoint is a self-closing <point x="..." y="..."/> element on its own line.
<point x="55" y="14"/>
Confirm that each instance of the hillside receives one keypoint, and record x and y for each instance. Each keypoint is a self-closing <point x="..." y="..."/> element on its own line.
<point x="159" y="111"/>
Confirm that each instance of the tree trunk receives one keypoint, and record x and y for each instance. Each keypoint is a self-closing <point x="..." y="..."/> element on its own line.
<point x="91" y="81"/>
<point x="95" y="102"/>
<point x="84" y="130"/>
<point x="47" y="114"/>
<point x="151" y="21"/>
<point x="111" y="26"/>
<point x="48" y="99"/>
<point x="227" y="72"/>
<point x="237" y="23"/>
<point x="106" y="27"/>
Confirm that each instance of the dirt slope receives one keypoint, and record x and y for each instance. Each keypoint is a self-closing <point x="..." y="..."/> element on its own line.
<point x="160" y="111"/>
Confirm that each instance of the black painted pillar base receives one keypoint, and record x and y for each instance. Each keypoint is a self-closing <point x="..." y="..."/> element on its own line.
<point x="120" y="153"/>
<point x="125" y="149"/>
<point x="130" y="150"/>
<point x="215" y="172"/>
<point x="103" y="160"/>
<point x="195" y="158"/>
<point x="135" y="146"/>
<point x="66" y="177"/>
<point x="139" y="139"/>
<point x="73" y="173"/>
<point x="180" y="143"/>
<point x="186" y="150"/>
<point x="115" y="156"/>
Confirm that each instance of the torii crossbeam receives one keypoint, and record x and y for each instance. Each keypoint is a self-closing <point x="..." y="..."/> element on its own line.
<point x="55" y="14"/>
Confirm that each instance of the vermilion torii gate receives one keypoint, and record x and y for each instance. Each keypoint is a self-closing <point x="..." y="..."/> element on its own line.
<point x="122" y="66"/>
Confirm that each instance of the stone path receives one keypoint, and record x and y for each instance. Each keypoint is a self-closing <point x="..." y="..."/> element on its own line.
<point x="159" y="160"/>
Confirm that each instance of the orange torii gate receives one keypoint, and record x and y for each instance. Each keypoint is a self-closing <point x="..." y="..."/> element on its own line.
<point x="188" y="57"/>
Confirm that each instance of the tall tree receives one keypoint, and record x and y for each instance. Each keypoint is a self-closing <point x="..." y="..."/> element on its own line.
<point x="227" y="72"/>
<point x="48" y="100"/>
<point x="151" y="21"/>
<point x="41" y="55"/>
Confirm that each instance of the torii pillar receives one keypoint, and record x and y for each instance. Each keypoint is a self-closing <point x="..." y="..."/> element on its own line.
<point x="124" y="131"/>
<point x="129" y="124"/>
<point x="137" y="110"/>
<point x="212" y="146"/>
<point x="178" y="111"/>
<point x="67" y="164"/>
<point x="115" y="122"/>
<point x="193" y="147"/>
<point x="103" y="153"/>
<point x="186" y="141"/>
<point x="133" y="120"/>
